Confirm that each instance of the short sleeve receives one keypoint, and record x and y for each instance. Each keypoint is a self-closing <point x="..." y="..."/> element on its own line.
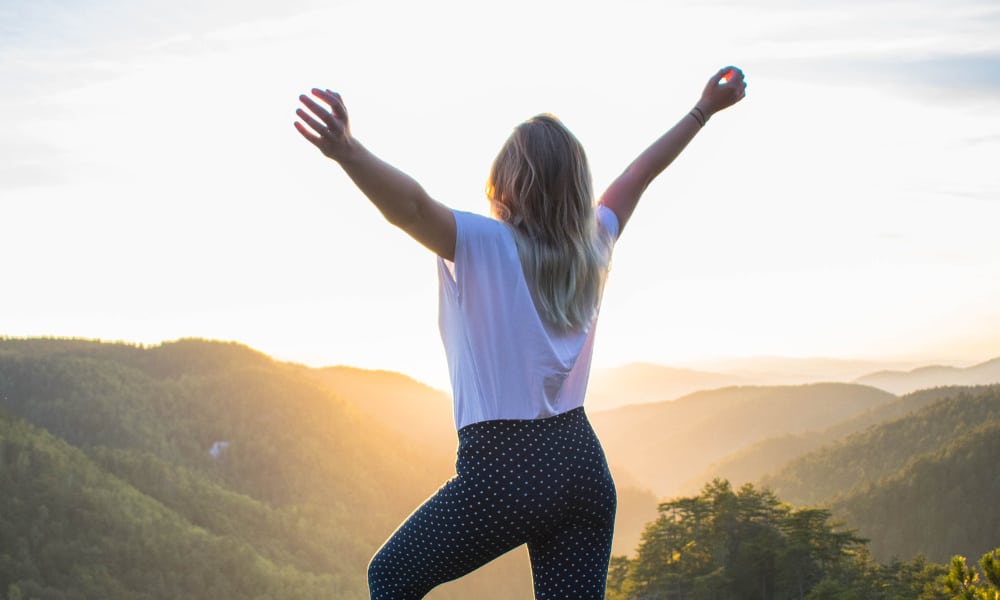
<point x="481" y="245"/>
<point x="608" y="220"/>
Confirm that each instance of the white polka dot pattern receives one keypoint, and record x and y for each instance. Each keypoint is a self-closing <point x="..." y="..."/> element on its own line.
<point x="544" y="482"/>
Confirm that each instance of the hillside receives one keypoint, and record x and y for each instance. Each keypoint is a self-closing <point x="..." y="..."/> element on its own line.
<point x="752" y="463"/>
<point x="72" y="530"/>
<point x="865" y="458"/>
<point x="228" y="442"/>
<point x="952" y="493"/>
<point x="665" y="444"/>
<point x="902" y="382"/>
<point x="206" y="469"/>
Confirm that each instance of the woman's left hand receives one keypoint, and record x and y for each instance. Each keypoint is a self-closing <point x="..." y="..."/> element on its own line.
<point x="724" y="89"/>
<point x="332" y="126"/>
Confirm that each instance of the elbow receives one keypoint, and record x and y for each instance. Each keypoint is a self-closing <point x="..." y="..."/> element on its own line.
<point x="405" y="215"/>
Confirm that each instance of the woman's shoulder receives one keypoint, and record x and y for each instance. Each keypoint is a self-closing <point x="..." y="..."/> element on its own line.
<point x="472" y="225"/>
<point x="471" y="219"/>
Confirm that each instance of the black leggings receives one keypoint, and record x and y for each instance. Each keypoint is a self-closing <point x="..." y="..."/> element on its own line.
<point x="543" y="482"/>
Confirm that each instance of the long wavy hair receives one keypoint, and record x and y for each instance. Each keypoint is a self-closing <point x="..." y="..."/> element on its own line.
<point x="540" y="185"/>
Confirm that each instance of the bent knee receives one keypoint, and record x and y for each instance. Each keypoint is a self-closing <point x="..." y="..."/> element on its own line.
<point x="387" y="579"/>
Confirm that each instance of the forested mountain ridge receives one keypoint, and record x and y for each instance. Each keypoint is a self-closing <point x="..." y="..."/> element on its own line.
<point x="952" y="494"/>
<point x="69" y="530"/>
<point x="224" y="440"/>
<point x="882" y="451"/>
<point x="935" y="467"/>
<point x="273" y="476"/>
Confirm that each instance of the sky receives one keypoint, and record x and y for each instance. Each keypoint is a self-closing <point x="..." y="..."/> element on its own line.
<point x="152" y="186"/>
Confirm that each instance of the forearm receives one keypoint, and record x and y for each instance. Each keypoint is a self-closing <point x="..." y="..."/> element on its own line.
<point x="658" y="156"/>
<point x="623" y="194"/>
<point x="725" y="88"/>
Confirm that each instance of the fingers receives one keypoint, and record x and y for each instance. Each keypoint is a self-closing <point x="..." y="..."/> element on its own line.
<point x="318" y="127"/>
<point x="732" y="79"/>
<point x="716" y="79"/>
<point x="731" y="76"/>
<point x="725" y="88"/>
<point x="334" y="100"/>
<point x="313" y="138"/>
<point x="331" y="122"/>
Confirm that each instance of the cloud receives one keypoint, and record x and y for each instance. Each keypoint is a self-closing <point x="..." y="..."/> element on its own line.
<point x="979" y="73"/>
<point x="960" y="78"/>
<point x="983" y="139"/>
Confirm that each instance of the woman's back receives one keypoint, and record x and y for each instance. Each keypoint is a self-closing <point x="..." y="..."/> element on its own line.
<point x="506" y="360"/>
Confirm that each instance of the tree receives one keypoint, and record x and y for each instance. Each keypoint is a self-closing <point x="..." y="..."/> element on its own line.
<point x="735" y="544"/>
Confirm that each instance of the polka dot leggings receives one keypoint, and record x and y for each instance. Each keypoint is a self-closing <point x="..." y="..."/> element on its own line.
<point x="543" y="482"/>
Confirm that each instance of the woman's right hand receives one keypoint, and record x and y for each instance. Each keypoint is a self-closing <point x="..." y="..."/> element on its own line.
<point x="724" y="89"/>
<point x="334" y="139"/>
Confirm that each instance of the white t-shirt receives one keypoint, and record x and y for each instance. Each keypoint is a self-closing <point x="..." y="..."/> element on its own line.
<point x="505" y="361"/>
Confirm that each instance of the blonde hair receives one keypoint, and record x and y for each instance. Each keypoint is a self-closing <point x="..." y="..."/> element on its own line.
<point x="540" y="185"/>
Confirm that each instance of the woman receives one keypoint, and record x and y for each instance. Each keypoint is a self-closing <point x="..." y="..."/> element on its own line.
<point x="519" y="300"/>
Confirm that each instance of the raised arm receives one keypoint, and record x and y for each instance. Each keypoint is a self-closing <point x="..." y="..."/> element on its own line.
<point x="624" y="193"/>
<point x="398" y="196"/>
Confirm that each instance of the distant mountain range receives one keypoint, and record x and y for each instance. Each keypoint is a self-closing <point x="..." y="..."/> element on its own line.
<point x="904" y="382"/>
<point x="639" y="383"/>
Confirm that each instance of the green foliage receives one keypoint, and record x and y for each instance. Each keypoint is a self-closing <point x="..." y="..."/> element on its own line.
<point x="110" y="490"/>
<point x="732" y="544"/>
<point x="965" y="583"/>
<point x="990" y="564"/>
<point x="726" y="544"/>
<point x="959" y="479"/>
<point x="71" y="530"/>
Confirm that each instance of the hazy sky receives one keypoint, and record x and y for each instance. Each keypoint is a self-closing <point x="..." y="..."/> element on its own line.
<point x="152" y="185"/>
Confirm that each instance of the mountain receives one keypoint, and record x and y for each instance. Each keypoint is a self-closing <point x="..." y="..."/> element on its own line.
<point x="70" y="529"/>
<point x="664" y="444"/>
<point x="951" y="493"/>
<point x="204" y="448"/>
<point x="753" y="462"/>
<point x="777" y="370"/>
<point x="924" y="483"/>
<point x="902" y="382"/>
<point x="640" y="383"/>
<point x="882" y="451"/>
